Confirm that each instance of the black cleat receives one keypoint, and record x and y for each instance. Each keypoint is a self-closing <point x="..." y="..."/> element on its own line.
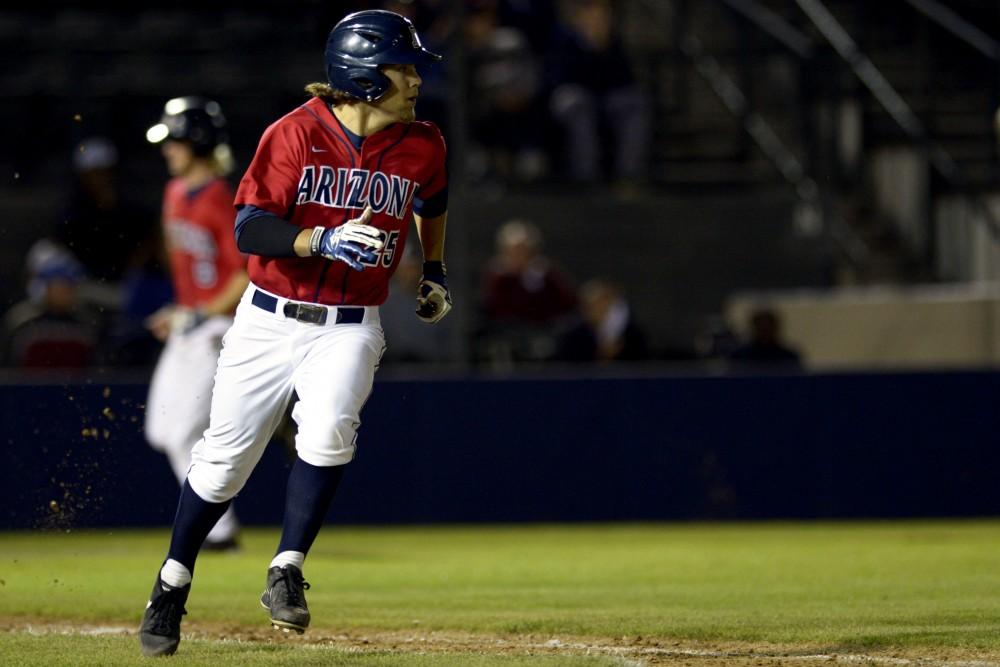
<point x="160" y="632"/>
<point x="285" y="598"/>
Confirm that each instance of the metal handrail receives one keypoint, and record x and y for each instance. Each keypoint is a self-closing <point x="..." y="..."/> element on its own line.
<point x="774" y="25"/>
<point x="783" y="159"/>
<point x="892" y="102"/>
<point x="770" y="144"/>
<point x="956" y="25"/>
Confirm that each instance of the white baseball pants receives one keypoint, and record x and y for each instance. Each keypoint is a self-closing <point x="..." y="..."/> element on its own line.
<point x="265" y="356"/>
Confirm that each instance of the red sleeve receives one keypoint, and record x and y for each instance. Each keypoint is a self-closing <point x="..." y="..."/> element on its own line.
<point x="437" y="179"/>
<point x="272" y="179"/>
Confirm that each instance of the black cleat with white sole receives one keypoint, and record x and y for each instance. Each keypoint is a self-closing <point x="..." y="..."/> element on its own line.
<point x="285" y="598"/>
<point x="160" y="632"/>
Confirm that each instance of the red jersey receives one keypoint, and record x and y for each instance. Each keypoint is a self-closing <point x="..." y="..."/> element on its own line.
<point x="198" y="226"/>
<point x="307" y="171"/>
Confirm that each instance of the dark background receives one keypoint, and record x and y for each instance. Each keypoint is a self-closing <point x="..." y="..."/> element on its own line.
<point x="552" y="449"/>
<point x="715" y="212"/>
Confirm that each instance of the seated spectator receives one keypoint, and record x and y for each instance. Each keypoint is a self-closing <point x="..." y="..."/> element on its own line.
<point x="526" y="298"/>
<point x="765" y="346"/>
<point x="436" y="25"/>
<point x="505" y="107"/>
<point x="606" y="331"/>
<point x="50" y="329"/>
<point x="534" y="19"/>
<point x="596" y="99"/>
<point x="145" y="288"/>
<point x="716" y="340"/>
<point x="99" y="226"/>
<point x="522" y="286"/>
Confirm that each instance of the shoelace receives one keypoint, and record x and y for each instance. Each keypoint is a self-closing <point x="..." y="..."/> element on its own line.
<point x="294" y="586"/>
<point x="167" y="613"/>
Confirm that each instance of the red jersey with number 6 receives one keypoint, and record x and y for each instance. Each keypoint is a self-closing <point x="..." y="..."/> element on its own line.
<point x="198" y="226"/>
<point x="307" y="171"/>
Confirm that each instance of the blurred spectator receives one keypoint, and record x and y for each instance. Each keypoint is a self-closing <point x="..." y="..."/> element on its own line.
<point x="505" y="108"/>
<point x="765" y="346"/>
<point x="50" y="329"/>
<point x="526" y="298"/>
<point x="408" y="340"/>
<point x="99" y="226"/>
<point x="534" y="19"/>
<point x="122" y="250"/>
<point x="435" y="24"/>
<point x="595" y="97"/>
<point x="606" y="331"/>
<point x="717" y="340"/>
<point x="522" y="285"/>
<point x="145" y="288"/>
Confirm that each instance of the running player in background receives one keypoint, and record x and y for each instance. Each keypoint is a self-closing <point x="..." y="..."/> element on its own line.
<point x="323" y="210"/>
<point x="209" y="277"/>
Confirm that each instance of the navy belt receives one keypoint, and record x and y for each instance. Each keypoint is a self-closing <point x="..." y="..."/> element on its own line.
<point x="308" y="312"/>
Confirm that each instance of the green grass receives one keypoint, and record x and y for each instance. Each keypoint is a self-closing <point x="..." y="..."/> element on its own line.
<point x="76" y="650"/>
<point x="830" y="586"/>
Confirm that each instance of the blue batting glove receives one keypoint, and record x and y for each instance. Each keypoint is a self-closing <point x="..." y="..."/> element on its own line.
<point x="335" y="245"/>
<point x="353" y="242"/>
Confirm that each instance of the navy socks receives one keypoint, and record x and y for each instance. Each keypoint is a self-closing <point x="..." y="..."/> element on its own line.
<point x="195" y="518"/>
<point x="310" y="492"/>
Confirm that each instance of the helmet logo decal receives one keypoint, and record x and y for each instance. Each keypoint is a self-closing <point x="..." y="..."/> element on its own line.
<point x="413" y="35"/>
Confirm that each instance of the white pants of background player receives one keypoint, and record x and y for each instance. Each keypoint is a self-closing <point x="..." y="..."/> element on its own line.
<point x="180" y="398"/>
<point x="265" y="357"/>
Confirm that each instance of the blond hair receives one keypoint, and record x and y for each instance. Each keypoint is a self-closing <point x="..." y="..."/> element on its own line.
<point x="328" y="93"/>
<point x="221" y="160"/>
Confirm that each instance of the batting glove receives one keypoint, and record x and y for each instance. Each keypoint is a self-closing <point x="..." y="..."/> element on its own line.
<point x="433" y="297"/>
<point x="353" y="242"/>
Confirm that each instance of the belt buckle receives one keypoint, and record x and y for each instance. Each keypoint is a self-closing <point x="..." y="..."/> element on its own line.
<point x="306" y="313"/>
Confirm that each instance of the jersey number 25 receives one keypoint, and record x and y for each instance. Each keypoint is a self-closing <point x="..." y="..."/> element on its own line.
<point x="388" y="251"/>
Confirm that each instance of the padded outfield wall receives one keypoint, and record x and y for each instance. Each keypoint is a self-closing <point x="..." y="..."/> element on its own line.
<point x="552" y="449"/>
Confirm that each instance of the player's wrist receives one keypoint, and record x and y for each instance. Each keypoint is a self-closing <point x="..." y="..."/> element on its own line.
<point x="316" y="240"/>
<point x="435" y="271"/>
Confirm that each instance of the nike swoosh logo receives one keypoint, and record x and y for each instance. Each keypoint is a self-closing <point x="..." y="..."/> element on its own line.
<point x="318" y="150"/>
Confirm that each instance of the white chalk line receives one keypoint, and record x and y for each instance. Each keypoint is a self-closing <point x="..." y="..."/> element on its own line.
<point x="556" y="645"/>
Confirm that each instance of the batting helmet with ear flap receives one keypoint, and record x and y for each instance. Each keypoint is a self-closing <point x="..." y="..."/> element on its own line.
<point x="192" y="119"/>
<point x="363" y="41"/>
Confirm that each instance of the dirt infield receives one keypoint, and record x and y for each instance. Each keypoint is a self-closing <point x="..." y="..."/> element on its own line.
<point x="631" y="650"/>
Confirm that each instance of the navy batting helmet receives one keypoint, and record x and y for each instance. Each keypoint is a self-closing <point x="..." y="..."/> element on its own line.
<point x="193" y="119"/>
<point x="361" y="42"/>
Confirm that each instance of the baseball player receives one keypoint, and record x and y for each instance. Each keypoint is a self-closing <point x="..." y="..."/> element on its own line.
<point x="209" y="277"/>
<point x="323" y="210"/>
